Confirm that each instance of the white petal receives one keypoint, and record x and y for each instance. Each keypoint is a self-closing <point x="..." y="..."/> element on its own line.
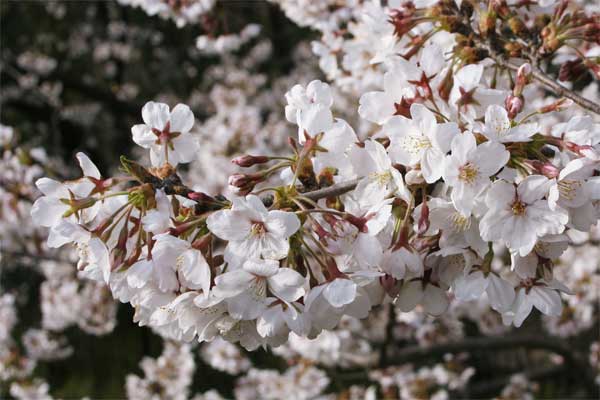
<point x="470" y="286"/>
<point x="182" y="119"/>
<point x="155" y="115"/>
<point x="546" y="300"/>
<point x="435" y="301"/>
<point x="229" y="225"/>
<point x="411" y="294"/>
<point x="340" y="292"/>
<point x="500" y="293"/>
<point x="87" y="166"/>
<point x="287" y="284"/>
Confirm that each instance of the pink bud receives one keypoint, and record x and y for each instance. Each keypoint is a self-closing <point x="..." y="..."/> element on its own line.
<point x="558" y="105"/>
<point x="248" y="160"/>
<point x="524" y="73"/>
<point x="546" y="168"/>
<point x="514" y="105"/>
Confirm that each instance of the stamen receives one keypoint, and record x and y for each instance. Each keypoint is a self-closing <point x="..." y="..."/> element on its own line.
<point x="468" y="173"/>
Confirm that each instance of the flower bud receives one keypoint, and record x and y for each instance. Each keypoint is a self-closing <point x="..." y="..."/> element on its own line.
<point x="545" y="168"/>
<point x="248" y="160"/>
<point x="445" y="86"/>
<point x="558" y="105"/>
<point x="514" y="105"/>
<point x="414" y="177"/>
<point x="244" y="183"/>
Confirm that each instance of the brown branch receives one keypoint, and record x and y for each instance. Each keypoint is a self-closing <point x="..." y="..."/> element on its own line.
<point x="571" y="356"/>
<point x="551" y="85"/>
<point x="333" y="190"/>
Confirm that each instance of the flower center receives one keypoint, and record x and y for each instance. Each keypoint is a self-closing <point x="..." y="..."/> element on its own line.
<point x="568" y="188"/>
<point x="518" y="207"/>
<point x="415" y="144"/>
<point x="460" y="222"/>
<point x="258" y="229"/>
<point x="258" y="288"/>
<point x="468" y="173"/>
<point x="382" y="178"/>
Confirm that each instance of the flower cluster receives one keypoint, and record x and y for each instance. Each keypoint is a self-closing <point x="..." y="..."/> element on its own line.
<point x="438" y="187"/>
<point x="457" y="167"/>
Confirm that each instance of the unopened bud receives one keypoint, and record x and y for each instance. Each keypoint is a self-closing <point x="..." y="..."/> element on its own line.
<point x="445" y="86"/>
<point x="244" y="183"/>
<point x="545" y="168"/>
<point x="248" y="160"/>
<point x="423" y="219"/>
<point x="524" y="74"/>
<point x="514" y="105"/>
<point x="558" y="105"/>
<point x="414" y="177"/>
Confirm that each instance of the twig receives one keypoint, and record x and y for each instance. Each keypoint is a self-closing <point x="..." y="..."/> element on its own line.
<point x="332" y="191"/>
<point x="552" y="85"/>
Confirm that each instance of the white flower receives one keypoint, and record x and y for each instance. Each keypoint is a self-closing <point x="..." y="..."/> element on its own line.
<point x="498" y="127"/>
<point x="174" y="261"/>
<point x="310" y="108"/>
<point x="252" y="231"/>
<point x="519" y="216"/>
<point x="534" y="292"/>
<point x="158" y="220"/>
<point x="398" y="81"/>
<point x="469" y="167"/>
<point x="402" y="263"/>
<point x="420" y="140"/>
<point x="457" y="230"/>
<point x="381" y="179"/>
<point x="469" y="96"/>
<point x="248" y="290"/>
<point x="166" y="134"/>
<point x="431" y="297"/>
<point x="571" y="188"/>
<point x="471" y="285"/>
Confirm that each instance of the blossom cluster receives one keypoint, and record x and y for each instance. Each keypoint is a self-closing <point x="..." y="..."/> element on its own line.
<point x="455" y="170"/>
<point x="436" y="183"/>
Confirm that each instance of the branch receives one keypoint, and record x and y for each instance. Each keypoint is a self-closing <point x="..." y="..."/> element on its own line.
<point x="570" y="355"/>
<point x="551" y="85"/>
<point x="333" y="190"/>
